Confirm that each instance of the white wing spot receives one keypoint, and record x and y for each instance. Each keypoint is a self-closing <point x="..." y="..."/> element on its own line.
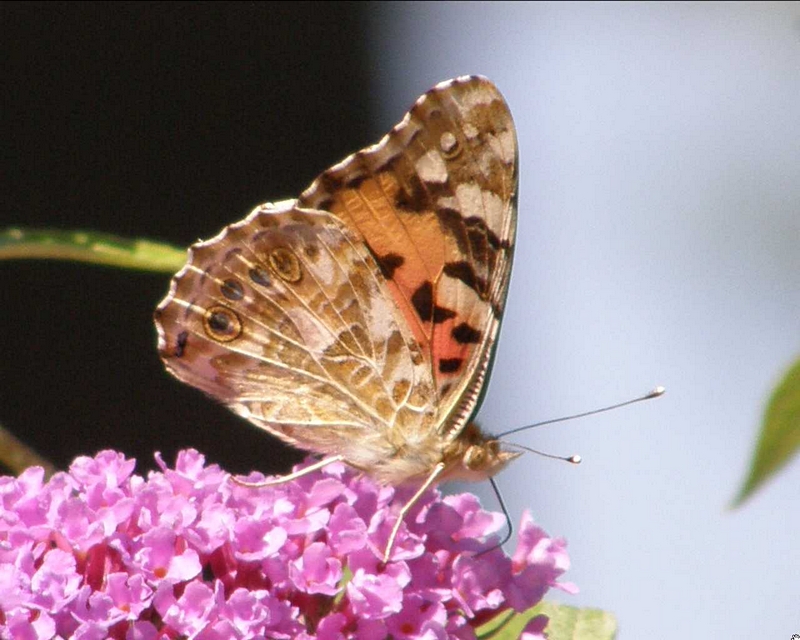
<point x="475" y="202"/>
<point x="505" y="146"/>
<point x="431" y="167"/>
<point x="477" y="97"/>
<point x="448" y="142"/>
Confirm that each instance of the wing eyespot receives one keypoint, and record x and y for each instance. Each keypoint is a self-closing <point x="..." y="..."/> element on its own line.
<point x="232" y="289"/>
<point x="260" y="276"/>
<point x="285" y="263"/>
<point x="222" y="324"/>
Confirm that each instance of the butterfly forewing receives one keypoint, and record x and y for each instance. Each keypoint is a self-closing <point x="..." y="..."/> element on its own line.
<point x="435" y="202"/>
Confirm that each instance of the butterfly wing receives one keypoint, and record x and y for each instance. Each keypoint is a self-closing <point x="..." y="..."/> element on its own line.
<point x="286" y="318"/>
<point x="360" y="319"/>
<point x="435" y="203"/>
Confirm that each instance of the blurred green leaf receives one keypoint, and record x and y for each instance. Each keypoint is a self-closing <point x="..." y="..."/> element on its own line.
<point x="89" y="246"/>
<point x="780" y="434"/>
<point x="566" y="623"/>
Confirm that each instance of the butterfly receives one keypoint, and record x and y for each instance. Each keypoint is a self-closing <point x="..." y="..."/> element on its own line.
<point x="359" y="321"/>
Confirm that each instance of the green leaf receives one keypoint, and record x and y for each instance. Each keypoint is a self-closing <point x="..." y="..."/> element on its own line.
<point x="566" y="623"/>
<point x="89" y="246"/>
<point x="780" y="434"/>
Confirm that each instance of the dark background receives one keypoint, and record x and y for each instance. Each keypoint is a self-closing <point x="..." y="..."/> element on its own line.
<point x="164" y="121"/>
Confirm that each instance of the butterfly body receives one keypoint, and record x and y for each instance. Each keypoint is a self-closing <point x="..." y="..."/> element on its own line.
<point x="359" y="320"/>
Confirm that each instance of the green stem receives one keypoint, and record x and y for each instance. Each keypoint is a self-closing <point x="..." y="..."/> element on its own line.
<point x="92" y="247"/>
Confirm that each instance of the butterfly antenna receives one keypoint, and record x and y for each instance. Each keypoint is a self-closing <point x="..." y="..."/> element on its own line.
<point x="655" y="393"/>
<point x="573" y="459"/>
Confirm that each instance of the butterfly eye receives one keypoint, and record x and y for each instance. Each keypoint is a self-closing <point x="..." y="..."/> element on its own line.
<point x="448" y="143"/>
<point x="222" y="324"/>
<point x="475" y="458"/>
<point x="286" y="264"/>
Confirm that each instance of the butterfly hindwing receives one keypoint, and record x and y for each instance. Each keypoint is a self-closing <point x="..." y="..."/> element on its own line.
<point x="286" y="318"/>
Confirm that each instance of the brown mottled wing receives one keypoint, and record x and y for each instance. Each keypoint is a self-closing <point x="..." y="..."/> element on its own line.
<point x="435" y="202"/>
<point x="286" y="318"/>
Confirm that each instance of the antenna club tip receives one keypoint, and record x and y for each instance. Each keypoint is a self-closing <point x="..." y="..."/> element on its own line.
<point x="576" y="459"/>
<point x="658" y="391"/>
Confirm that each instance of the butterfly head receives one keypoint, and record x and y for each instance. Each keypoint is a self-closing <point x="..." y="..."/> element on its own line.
<point x="474" y="457"/>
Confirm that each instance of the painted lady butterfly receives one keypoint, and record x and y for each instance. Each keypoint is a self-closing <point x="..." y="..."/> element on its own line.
<point x="359" y="321"/>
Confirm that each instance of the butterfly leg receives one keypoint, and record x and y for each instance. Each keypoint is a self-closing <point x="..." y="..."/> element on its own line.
<point x="292" y="476"/>
<point x="437" y="470"/>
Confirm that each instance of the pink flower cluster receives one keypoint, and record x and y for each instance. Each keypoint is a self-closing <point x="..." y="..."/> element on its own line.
<point x="100" y="552"/>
